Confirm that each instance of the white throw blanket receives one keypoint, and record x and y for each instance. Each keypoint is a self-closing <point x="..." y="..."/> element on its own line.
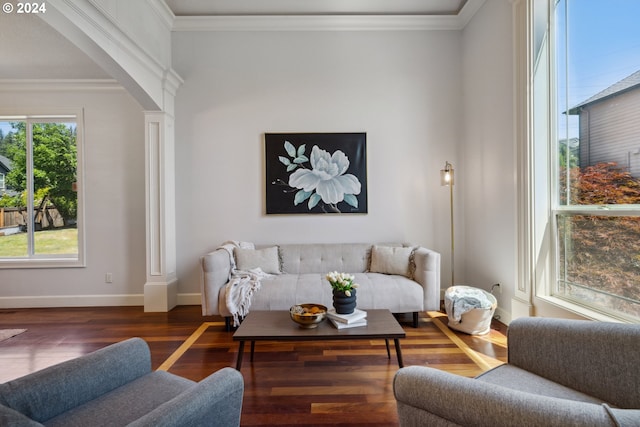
<point x="464" y="299"/>
<point x="242" y="284"/>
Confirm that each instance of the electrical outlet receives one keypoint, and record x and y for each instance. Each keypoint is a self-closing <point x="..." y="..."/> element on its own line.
<point x="108" y="278"/>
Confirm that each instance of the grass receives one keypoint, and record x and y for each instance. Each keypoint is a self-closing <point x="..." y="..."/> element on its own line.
<point x="48" y="242"/>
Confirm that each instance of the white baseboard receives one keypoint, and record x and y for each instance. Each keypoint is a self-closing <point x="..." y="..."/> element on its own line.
<point x="71" y="301"/>
<point x="189" y="299"/>
<point x="52" y="301"/>
<point x="505" y="316"/>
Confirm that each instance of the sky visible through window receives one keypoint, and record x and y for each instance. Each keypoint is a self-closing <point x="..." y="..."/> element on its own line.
<point x="603" y="39"/>
<point x="5" y="127"/>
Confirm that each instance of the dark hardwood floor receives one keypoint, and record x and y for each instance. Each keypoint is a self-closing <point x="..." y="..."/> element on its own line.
<point x="337" y="383"/>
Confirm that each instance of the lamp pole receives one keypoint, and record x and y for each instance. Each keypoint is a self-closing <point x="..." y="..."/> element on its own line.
<point x="452" y="228"/>
<point x="446" y="178"/>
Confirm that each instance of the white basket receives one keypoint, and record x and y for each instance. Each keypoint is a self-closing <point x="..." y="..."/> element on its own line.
<point x="474" y="322"/>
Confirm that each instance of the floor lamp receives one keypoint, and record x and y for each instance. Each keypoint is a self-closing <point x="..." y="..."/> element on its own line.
<point x="446" y="179"/>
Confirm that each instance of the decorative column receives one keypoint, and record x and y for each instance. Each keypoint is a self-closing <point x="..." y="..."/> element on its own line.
<point x="522" y="301"/>
<point x="161" y="287"/>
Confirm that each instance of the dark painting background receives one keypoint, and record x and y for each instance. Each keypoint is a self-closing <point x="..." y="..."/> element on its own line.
<point x="280" y="197"/>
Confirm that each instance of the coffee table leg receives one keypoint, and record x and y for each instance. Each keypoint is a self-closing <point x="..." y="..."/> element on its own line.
<point x="240" y="354"/>
<point x="253" y="347"/>
<point x="386" y="341"/>
<point x="396" y="341"/>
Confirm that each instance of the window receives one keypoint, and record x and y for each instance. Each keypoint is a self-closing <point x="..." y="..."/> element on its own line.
<point x="40" y="207"/>
<point x="592" y="123"/>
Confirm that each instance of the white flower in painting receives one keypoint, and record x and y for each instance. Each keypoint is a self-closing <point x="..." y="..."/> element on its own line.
<point x="327" y="176"/>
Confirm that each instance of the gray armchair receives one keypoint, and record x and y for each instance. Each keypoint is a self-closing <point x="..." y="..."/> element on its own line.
<point x="560" y="373"/>
<point x="115" y="386"/>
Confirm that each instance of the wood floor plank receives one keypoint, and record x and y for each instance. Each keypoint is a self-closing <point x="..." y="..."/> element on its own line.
<point x="328" y="383"/>
<point x="360" y="407"/>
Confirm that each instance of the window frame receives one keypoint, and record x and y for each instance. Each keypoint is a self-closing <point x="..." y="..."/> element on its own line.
<point x="57" y="115"/>
<point x="546" y="282"/>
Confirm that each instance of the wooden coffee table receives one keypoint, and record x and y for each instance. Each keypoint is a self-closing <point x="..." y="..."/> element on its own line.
<point x="278" y="326"/>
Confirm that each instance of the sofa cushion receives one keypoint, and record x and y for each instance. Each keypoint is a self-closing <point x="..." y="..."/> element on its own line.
<point x="396" y="293"/>
<point x="283" y="291"/>
<point x="323" y="258"/>
<point x="267" y="259"/>
<point x="132" y="401"/>
<point x="390" y="260"/>
<point x="518" y="379"/>
<point x="624" y="417"/>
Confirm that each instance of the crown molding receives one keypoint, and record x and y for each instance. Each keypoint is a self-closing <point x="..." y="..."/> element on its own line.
<point x="172" y="81"/>
<point x="328" y="22"/>
<point x="59" y="85"/>
<point x="315" y="23"/>
<point x="468" y="11"/>
<point x="163" y="11"/>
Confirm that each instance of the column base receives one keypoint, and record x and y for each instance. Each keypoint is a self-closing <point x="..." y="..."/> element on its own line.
<point x="160" y="296"/>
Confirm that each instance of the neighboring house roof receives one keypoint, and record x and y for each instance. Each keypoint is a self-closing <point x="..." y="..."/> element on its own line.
<point x="5" y="164"/>
<point x="615" y="89"/>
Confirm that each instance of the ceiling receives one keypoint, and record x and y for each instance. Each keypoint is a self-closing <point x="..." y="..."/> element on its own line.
<point x="314" y="7"/>
<point x="31" y="49"/>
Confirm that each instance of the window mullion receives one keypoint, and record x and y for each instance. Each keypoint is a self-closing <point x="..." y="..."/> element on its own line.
<point x="30" y="190"/>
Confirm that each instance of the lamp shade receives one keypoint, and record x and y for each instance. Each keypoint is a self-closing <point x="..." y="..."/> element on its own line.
<point x="446" y="174"/>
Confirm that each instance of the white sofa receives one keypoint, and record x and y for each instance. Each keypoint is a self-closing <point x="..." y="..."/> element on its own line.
<point x="400" y="278"/>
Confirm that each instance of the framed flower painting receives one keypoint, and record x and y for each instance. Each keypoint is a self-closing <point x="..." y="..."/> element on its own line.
<point x="316" y="173"/>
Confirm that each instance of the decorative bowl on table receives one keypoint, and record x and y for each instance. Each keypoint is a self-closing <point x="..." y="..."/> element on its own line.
<point x="308" y="315"/>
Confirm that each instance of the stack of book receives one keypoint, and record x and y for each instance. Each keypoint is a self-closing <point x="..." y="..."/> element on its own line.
<point x="353" y="320"/>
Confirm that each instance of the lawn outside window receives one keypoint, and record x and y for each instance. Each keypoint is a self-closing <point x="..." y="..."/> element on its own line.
<point x="41" y="209"/>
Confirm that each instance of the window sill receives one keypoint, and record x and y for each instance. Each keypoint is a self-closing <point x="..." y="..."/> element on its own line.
<point x="582" y="310"/>
<point x="42" y="263"/>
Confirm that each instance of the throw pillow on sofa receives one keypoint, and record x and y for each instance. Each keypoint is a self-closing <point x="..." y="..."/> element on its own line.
<point x="391" y="260"/>
<point x="267" y="259"/>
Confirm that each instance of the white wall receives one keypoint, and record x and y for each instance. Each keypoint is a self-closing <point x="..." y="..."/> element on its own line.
<point x="423" y="97"/>
<point x="402" y="88"/>
<point x="114" y="205"/>
<point x="486" y="173"/>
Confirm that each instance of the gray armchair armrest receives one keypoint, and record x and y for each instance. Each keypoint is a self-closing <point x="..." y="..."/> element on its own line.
<point x="9" y="417"/>
<point x="44" y="394"/>
<point x="427" y="274"/>
<point x="564" y="350"/>
<point x="425" y="395"/>
<point x="216" y="400"/>
<point x="216" y="268"/>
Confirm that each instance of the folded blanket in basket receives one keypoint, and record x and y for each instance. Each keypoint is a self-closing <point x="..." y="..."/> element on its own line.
<point x="465" y="299"/>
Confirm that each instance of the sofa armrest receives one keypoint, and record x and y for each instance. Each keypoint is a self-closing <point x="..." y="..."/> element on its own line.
<point x="563" y="350"/>
<point x="422" y="393"/>
<point x="427" y="274"/>
<point x="216" y="400"/>
<point x="216" y="269"/>
<point x="625" y="417"/>
<point x="49" y="392"/>
<point x="10" y="417"/>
